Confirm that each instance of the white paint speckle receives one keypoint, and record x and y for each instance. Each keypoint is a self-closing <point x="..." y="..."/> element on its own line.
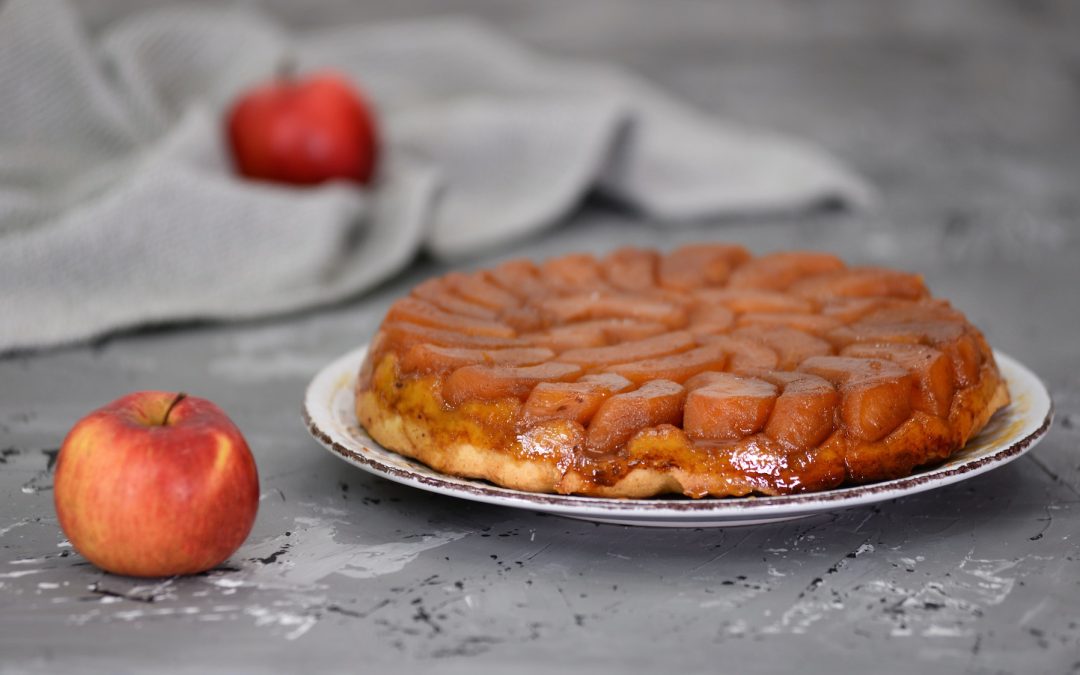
<point x="20" y="573"/>
<point x="1031" y="613"/>
<point x="227" y="582"/>
<point x="935" y="630"/>
<point x="291" y="584"/>
<point x="993" y="586"/>
<point x="325" y="510"/>
<point x="737" y="627"/>
<point x="798" y="618"/>
<point x="313" y="553"/>
<point x="864" y="549"/>
<point x="298" y="623"/>
<point x="9" y="528"/>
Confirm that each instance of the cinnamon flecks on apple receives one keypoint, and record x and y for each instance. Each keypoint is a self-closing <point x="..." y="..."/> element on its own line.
<point x="704" y="371"/>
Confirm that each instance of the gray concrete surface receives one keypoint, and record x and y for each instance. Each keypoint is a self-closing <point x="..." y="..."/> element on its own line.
<point x="965" y="114"/>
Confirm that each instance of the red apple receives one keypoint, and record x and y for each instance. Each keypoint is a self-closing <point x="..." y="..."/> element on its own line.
<point x="156" y="484"/>
<point x="304" y="131"/>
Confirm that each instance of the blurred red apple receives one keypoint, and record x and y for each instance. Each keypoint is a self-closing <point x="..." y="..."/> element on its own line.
<point x="304" y="131"/>
<point x="156" y="484"/>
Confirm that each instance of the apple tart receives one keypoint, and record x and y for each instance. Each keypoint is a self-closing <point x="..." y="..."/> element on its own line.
<point x="703" y="372"/>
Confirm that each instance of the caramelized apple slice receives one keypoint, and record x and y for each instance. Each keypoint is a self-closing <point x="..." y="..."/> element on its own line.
<point x="556" y="440"/>
<point x="427" y="358"/>
<point x="479" y="382"/>
<point x="877" y="333"/>
<point x="623" y="415"/>
<point x="522" y="319"/>
<point x="570" y="336"/>
<point x="699" y="265"/>
<point x="745" y="300"/>
<point x="404" y="334"/>
<point x="572" y="274"/>
<point x="420" y="312"/>
<point x="743" y="354"/>
<point x="791" y="346"/>
<point x="611" y="306"/>
<point x="950" y="337"/>
<point x="729" y="407"/>
<point x="577" y="401"/>
<point x="520" y="278"/>
<point x="891" y="310"/>
<point x="437" y="293"/>
<point x="596" y="333"/>
<point x="804" y="414"/>
<point x="660" y="345"/>
<point x="862" y="282"/>
<point x="704" y="379"/>
<point x="914" y="312"/>
<point x="934" y="383"/>
<point x="875" y="394"/>
<point x="815" y="324"/>
<point x="480" y="290"/>
<point x="777" y="271"/>
<point x="677" y="367"/>
<point x="707" y="318"/>
<point x="631" y="269"/>
<point x="619" y="330"/>
<point x="847" y="310"/>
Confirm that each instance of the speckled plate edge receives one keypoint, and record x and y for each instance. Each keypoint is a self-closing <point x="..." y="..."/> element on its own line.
<point x="328" y="413"/>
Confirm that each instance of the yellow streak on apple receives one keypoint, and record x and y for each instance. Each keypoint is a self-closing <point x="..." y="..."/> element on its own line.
<point x="86" y="441"/>
<point x="221" y="459"/>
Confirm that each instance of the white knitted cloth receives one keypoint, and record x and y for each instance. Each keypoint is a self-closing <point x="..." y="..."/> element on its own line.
<point x="118" y="206"/>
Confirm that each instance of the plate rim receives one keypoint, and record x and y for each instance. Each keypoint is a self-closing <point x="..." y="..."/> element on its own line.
<point x="731" y="508"/>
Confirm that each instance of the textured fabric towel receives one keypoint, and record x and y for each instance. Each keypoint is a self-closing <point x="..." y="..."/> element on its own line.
<point x="118" y="206"/>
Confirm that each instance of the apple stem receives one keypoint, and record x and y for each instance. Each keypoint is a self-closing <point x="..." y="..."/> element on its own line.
<point x="179" y="397"/>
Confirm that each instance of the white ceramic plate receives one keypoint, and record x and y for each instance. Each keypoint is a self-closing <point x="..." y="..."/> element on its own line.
<point x="330" y="416"/>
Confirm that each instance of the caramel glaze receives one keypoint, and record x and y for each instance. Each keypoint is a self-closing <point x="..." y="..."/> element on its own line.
<point x="406" y="412"/>
<point x="448" y="377"/>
